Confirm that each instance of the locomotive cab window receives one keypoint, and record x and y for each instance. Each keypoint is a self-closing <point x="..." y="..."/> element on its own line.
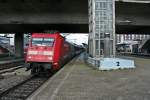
<point x="42" y="41"/>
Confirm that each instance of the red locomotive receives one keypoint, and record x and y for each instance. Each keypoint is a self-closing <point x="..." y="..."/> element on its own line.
<point x="48" y="52"/>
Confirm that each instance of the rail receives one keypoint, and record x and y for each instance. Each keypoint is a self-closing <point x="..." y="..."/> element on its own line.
<point x="24" y="89"/>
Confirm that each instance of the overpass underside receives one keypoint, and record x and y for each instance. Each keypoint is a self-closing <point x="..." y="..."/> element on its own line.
<point x="19" y="16"/>
<point x="40" y="15"/>
<point x="29" y="28"/>
<point x="132" y="18"/>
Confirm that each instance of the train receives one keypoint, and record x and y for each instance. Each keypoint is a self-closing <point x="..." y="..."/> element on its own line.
<point x="48" y="52"/>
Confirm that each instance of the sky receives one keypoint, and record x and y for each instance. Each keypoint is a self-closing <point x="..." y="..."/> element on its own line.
<point x="77" y="38"/>
<point x="11" y="37"/>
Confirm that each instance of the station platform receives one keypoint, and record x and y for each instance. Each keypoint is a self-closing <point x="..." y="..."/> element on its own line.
<point x="79" y="81"/>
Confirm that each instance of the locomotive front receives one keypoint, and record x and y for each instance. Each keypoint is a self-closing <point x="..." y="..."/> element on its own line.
<point x="40" y="52"/>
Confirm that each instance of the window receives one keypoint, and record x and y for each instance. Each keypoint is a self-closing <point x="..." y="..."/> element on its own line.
<point x="42" y="41"/>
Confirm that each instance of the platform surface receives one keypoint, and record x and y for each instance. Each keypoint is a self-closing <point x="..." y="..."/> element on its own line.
<point x="78" y="81"/>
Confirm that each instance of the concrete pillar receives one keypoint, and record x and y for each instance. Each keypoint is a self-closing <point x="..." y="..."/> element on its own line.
<point x="19" y="41"/>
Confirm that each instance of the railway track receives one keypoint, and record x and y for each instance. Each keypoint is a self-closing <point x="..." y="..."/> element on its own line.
<point x="10" y="65"/>
<point x="10" y="69"/>
<point x="24" y="89"/>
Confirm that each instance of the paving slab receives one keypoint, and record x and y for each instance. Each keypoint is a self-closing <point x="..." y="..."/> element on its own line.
<point x="79" y="81"/>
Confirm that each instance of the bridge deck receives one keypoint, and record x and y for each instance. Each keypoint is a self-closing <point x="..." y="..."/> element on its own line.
<point x="78" y="81"/>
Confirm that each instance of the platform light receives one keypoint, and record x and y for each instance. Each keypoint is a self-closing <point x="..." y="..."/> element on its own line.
<point x="124" y="21"/>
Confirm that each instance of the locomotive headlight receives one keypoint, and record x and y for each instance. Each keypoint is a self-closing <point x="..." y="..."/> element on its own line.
<point x="32" y="52"/>
<point x="29" y="57"/>
<point x="48" y="53"/>
<point x="50" y="58"/>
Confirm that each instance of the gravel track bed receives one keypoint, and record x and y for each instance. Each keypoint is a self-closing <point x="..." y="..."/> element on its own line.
<point x="9" y="82"/>
<point x="11" y="79"/>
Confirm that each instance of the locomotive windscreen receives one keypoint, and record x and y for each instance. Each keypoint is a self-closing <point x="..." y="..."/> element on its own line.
<point x="42" y="41"/>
